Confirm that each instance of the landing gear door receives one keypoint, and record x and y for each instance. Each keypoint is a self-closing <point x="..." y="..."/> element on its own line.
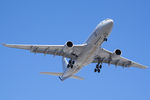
<point x="64" y="63"/>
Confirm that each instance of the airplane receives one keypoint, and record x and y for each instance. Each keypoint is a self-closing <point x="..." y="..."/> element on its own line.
<point x="81" y="55"/>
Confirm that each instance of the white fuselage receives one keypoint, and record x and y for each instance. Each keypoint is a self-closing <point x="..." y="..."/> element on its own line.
<point x="87" y="55"/>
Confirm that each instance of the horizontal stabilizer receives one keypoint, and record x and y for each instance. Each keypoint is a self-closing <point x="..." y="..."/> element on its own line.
<point x="52" y="73"/>
<point x="60" y="74"/>
<point x="77" y="77"/>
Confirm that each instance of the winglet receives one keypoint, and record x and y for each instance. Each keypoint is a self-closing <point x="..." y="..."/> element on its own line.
<point x="6" y="45"/>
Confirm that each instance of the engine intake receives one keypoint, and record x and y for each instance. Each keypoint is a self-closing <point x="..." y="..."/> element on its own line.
<point x="68" y="47"/>
<point x="69" y="44"/>
<point x="118" y="52"/>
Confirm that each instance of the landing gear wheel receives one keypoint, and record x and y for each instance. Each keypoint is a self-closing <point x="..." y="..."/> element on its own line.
<point x="68" y="65"/>
<point x="100" y="66"/>
<point x="71" y="66"/>
<point x="97" y="66"/>
<point x="98" y="70"/>
<point x="70" y="61"/>
<point x="105" y="39"/>
<point x="73" y="62"/>
<point x="95" y="70"/>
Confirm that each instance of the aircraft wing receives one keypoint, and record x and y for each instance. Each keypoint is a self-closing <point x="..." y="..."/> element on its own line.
<point x="50" y="49"/>
<point x="108" y="57"/>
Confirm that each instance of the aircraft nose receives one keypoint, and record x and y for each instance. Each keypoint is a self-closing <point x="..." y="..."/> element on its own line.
<point x="107" y="25"/>
<point x="110" y="22"/>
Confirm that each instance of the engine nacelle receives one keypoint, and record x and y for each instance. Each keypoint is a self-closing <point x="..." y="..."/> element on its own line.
<point x="116" y="53"/>
<point x="68" y="47"/>
<point x="69" y="44"/>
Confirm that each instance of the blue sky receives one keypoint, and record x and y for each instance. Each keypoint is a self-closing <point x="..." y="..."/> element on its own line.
<point x="57" y="21"/>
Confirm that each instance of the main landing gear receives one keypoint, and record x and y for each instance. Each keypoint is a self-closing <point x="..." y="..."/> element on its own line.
<point x="70" y="64"/>
<point x="98" y="67"/>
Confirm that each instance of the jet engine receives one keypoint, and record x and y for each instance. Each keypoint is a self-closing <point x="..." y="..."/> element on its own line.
<point x="68" y="47"/>
<point x="69" y="44"/>
<point x="116" y="53"/>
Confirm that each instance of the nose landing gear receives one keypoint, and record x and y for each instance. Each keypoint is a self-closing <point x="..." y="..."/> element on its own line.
<point x="105" y="39"/>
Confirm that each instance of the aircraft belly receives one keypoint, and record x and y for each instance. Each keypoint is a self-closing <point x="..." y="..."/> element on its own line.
<point x="88" y="54"/>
